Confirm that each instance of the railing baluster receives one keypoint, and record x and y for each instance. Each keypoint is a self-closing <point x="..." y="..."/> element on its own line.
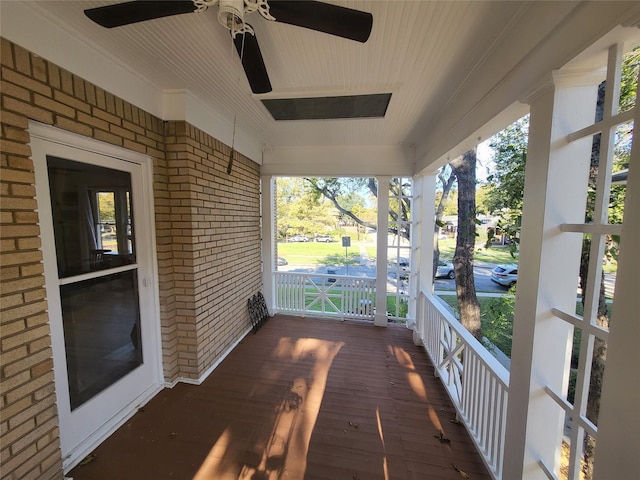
<point x="476" y="382"/>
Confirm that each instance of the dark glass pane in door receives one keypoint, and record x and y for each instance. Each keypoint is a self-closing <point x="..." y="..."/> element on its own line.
<point x="101" y="332"/>
<point x="92" y="216"/>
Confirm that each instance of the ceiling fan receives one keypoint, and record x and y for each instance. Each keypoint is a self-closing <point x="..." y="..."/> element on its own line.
<point x="323" y="17"/>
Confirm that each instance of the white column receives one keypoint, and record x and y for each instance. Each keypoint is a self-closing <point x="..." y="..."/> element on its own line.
<point x="380" y="319"/>
<point x="416" y="222"/>
<point x="268" y="207"/>
<point x="617" y="452"/>
<point x="555" y="193"/>
<point x="422" y="236"/>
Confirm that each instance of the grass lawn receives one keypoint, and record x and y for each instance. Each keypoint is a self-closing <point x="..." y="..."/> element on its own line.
<point x="495" y="254"/>
<point x="317" y="253"/>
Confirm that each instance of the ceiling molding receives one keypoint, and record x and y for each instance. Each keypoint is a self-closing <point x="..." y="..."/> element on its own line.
<point x="335" y="161"/>
<point x="182" y="105"/>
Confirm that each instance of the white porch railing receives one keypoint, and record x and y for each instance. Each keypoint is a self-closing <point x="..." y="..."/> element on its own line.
<point x="476" y="382"/>
<point x="325" y="295"/>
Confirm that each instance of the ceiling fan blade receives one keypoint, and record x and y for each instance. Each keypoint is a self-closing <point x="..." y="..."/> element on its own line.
<point x="252" y="62"/>
<point x="323" y="17"/>
<point x="120" y="14"/>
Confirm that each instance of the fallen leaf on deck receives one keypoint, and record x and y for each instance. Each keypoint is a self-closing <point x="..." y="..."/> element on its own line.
<point x="442" y="438"/>
<point x="462" y="473"/>
<point x="88" y="459"/>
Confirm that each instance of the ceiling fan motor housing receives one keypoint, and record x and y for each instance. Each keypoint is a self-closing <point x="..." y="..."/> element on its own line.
<point x="231" y="16"/>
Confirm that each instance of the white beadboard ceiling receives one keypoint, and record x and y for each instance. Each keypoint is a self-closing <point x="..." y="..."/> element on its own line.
<point x="441" y="60"/>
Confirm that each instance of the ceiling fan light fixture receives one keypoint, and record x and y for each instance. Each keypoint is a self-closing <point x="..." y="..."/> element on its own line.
<point x="231" y="16"/>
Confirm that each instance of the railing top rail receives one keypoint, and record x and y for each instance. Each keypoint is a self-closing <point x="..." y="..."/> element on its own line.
<point x="501" y="373"/>
<point x="325" y="275"/>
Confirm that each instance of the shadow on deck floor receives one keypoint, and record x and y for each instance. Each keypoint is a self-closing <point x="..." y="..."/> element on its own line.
<point x="301" y="399"/>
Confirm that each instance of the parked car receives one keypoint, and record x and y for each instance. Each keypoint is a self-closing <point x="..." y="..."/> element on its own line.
<point x="445" y="269"/>
<point x="299" y="238"/>
<point x="505" y="275"/>
<point x="331" y="271"/>
<point x="324" y="238"/>
<point x="282" y="261"/>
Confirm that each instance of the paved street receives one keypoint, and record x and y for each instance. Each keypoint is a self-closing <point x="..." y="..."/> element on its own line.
<point x="482" y="275"/>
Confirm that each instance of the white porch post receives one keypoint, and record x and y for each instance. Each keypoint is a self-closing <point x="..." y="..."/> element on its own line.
<point x="555" y="193"/>
<point x="268" y="206"/>
<point x="617" y="453"/>
<point x="416" y="222"/>
<point x="380" y="318"/>
<point x="423" y="238"/>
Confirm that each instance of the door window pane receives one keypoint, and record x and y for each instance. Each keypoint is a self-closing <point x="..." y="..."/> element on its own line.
<point x="92" y="216"/>
<point x="101" y="332"/>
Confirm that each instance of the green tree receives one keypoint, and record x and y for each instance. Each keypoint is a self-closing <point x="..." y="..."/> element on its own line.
<point x="106" y="207"/>
<point x="339" y="190"/>
<point x="300" y="211"/>
<point x="505" y="185"/>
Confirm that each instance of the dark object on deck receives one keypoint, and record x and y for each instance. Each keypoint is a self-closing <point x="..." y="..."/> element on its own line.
<point x="258" y="313"/>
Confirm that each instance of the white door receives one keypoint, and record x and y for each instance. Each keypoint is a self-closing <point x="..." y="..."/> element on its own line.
<point x="97" y="240"/>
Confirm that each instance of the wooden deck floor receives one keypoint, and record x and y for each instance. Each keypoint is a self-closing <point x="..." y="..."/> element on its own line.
<point x="301" y="399"/>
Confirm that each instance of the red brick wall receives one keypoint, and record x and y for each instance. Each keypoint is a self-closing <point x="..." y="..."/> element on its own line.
<point x="207" y="236"/>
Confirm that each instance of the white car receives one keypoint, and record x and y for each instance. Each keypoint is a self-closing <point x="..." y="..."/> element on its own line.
<point x="505" y="275"/>
<point x="299" y="238"/>
<point x="324" y="238"/>
<point x="445" y="269"/>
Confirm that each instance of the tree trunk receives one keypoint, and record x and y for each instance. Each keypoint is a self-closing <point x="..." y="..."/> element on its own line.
<point x="464" y="168"/>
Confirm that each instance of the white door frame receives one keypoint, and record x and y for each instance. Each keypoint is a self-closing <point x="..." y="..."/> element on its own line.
<point x="91" y="423"/>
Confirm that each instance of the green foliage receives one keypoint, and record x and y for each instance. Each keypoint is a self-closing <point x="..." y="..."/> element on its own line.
<point x="497" y="321"/>
<point x="352" y="199"/>
<point x="401" y="304"/>
<point x="300" y="211"/>
<point x="482" y="205"/>
<point x="106" y="207"/>
<point x="505" y="185"/>
<point x="450" y="204"/>
<point x="496" y="314"/>
<point x="629" y="79"/>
